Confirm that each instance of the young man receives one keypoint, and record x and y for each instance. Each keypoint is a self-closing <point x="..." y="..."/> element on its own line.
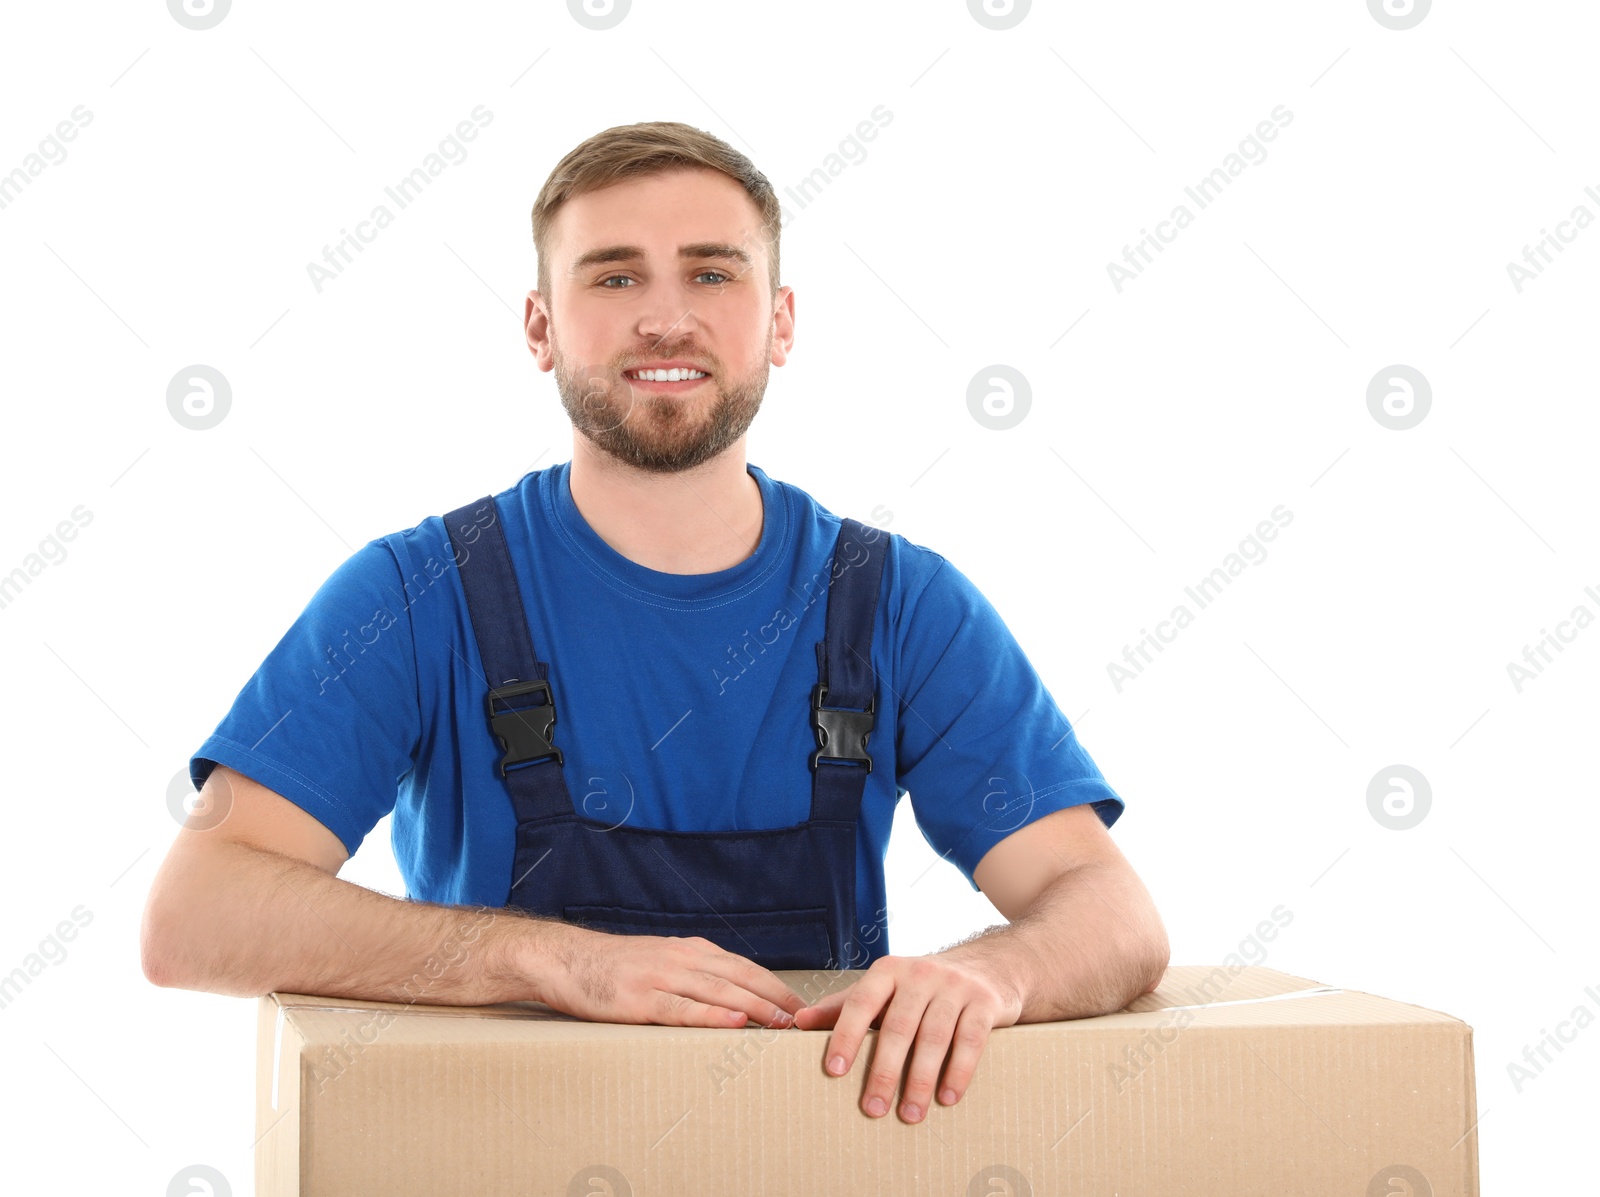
<point x="642" y="719"/>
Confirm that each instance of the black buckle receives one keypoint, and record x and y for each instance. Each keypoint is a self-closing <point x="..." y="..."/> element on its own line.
<point x="841" y="732"/>
<point x="524" y="731"/>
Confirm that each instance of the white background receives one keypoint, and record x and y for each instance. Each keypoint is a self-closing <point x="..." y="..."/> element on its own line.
<point x="1229" y="377"/>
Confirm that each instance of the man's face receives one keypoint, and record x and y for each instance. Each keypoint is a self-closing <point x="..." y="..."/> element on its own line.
<point x="625" y="295"/>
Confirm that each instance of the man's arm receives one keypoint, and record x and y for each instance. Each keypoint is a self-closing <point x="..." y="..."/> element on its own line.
<point x="253" y="905"/>
<point x="1084" y="936"/>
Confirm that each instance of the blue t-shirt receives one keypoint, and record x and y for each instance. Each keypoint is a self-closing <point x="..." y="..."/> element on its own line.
<point x="683" y="700"/>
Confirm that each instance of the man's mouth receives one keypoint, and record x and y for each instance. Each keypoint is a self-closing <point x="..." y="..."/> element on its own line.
<point x="675" y="374"/>
<point x="676" y="380"/>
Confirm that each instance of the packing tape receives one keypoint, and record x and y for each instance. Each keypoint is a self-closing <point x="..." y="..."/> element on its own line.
<point x="1293" y="993"/>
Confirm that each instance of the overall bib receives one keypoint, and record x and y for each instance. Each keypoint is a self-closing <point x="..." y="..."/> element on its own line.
<point x="782" y="897"/>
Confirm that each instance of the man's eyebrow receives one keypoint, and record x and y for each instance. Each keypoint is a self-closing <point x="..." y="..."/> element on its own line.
<point x="632" y="253"/>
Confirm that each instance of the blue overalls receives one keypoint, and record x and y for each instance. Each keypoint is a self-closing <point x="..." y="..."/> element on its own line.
<point x="784" y="897"/>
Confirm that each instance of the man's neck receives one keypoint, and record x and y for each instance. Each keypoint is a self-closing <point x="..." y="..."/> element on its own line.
<point x="697" y="522"/>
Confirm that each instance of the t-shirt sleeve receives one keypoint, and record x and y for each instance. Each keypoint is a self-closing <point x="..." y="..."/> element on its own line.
<point x="330" y="719"/>
<point x="981" y="745"/>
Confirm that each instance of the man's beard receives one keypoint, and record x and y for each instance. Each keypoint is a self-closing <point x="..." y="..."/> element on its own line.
<point x="664" y="434"/>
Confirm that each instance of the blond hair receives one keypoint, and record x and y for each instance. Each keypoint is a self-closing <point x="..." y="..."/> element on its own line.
<point x="649" y="148"/>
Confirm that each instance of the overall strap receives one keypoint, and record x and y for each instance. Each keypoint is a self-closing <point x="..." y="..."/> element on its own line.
<point x="844" y="700"/>
<point x="518" y="701"/>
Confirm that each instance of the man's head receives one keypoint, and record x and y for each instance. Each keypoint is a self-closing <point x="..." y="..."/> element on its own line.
<point x="658" y="244"/>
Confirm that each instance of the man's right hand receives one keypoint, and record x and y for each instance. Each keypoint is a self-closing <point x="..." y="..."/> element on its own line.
<point x="683" y="981"/>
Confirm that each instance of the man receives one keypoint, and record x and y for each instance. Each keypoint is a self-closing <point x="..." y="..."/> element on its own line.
<point x="645" y="716"/>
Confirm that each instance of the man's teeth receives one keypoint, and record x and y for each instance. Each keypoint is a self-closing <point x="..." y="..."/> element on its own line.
<point x="673" y="375"/>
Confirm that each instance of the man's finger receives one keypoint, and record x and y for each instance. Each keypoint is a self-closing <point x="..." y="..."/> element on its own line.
<point x="931" y="1045"/>
<point x="971" y="1036"/>
<point x="762" y="982"/>
<point x="863" y="1002"/>
<point x="895" y="1037"/>
<point x="821" y="1014"/>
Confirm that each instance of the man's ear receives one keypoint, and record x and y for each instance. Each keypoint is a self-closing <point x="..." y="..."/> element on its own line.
<point x="783" y="326"/>
<point x="536" y="324"/>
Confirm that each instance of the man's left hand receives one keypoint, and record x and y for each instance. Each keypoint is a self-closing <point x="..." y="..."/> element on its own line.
<point x="921" y="1002"/>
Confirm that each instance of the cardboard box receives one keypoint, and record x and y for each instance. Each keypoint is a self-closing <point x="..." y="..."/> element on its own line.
<point x="1224" y="1081"/>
